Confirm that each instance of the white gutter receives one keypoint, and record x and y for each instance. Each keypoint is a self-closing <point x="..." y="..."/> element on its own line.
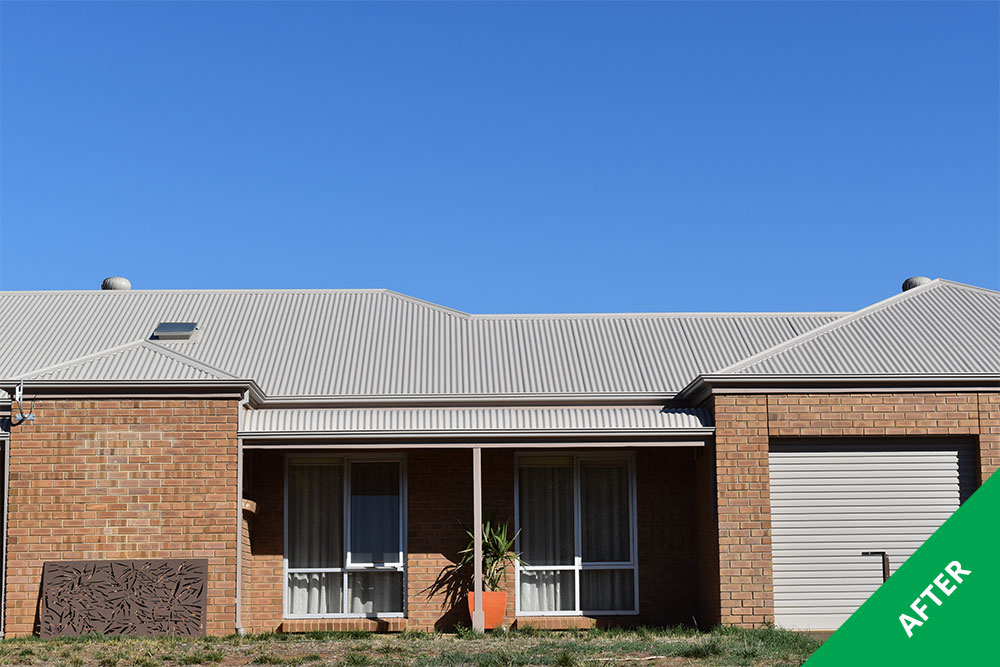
<point x="299" y="443"/>
<point x="705" y="385"/>
<point x="452" y="435"/>
<point x="466" y="400"/>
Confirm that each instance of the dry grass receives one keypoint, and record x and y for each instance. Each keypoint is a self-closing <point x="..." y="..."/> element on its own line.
<point x="667" y="646"/>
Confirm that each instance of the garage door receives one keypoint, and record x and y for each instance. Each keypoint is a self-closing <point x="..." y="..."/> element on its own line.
<point x="830" y="502"/>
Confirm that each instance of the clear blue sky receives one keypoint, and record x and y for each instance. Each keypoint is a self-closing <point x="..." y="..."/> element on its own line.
<point x="511" y="157"/>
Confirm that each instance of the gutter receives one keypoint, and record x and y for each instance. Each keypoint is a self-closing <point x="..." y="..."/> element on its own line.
<point x="439" y="435"/>
<point x="466" y="400"/>
<point x="254" y="396"/>
<point x="704" y="386"/>
<point x="237" y="386"/>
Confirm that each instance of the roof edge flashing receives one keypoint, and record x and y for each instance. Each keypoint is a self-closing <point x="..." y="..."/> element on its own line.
<point x="705" y="385"/>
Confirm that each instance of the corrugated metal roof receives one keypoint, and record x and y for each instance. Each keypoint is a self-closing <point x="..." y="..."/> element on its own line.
<point x="135" y="361"/>
<point x="939" y="328"/>
<point x="355" y="343"/>
<point x="474" y="420"/>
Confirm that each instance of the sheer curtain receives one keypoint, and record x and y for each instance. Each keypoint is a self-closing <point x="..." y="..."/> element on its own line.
<point x="604" y="512"/>
<point x="547" y="536"/>
<point x="547" y="523"/>
<point x="315" y="537"/>
<point x="607" y="590"/>
<point x="605" y="528"/>
<point x="376" y="592"/>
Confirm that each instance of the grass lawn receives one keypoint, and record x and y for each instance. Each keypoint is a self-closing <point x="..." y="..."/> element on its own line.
<point x="669" y="646"/>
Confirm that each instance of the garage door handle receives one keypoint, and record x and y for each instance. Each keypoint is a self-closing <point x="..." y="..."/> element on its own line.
<point x="885" y="562"/>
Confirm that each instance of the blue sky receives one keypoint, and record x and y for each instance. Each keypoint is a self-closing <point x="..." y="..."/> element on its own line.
<point x="514" y="157"/>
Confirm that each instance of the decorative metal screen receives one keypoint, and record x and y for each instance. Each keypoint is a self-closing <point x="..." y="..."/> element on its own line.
<point x="145" y="598"/>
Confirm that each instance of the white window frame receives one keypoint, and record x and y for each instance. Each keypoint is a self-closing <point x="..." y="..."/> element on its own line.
<point x="349" y="567"/>
<point x="578" y="564"/>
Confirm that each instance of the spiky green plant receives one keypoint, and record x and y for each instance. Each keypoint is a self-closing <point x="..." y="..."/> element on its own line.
<point x="498" y="553"/>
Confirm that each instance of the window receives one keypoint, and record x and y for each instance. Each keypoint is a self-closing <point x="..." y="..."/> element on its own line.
<point x="344" y="537"/>
<point x="576" y="516"/>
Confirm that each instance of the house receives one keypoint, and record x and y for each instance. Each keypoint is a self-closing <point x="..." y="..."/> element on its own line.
<point x="318" y="452"/>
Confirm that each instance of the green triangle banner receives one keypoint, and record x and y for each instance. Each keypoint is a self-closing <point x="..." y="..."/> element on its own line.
<point x="941" y="607"/>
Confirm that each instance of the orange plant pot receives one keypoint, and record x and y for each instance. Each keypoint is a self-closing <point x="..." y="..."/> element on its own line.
<point x="494" y="606"/>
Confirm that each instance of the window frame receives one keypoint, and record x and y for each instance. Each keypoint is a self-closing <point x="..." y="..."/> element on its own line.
<point x="579" y="565"/>
<point x="349" y="567"/>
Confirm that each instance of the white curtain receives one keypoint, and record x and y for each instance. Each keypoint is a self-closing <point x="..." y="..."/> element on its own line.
<point x="547" y="537"/>
<point x="605" y="526"/>
<point x="546" y="520"/>
<point x="314" y="593"/>
<point x="315" y="537"/>
<point x="546" y="509"/>
<point x="548" y="590"/>
<point x="607" y="590"/>
<point x="376" y="592"/>
<point x="604" y="512"/>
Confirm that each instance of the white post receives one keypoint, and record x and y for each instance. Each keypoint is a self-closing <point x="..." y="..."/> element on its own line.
<point x="478" y="615"/>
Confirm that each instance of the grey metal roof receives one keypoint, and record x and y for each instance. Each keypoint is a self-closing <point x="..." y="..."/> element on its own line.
<point x="373" y="343"/>
<point x="475" y="421"/>
<point x="135" y="361"/>
<point x="940" y="328"/>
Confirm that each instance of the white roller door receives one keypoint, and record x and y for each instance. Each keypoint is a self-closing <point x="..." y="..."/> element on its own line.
<point x="832" y="501"/>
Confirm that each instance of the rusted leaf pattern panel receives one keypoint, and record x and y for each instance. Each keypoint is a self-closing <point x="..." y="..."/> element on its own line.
<point x="145" y="598"/>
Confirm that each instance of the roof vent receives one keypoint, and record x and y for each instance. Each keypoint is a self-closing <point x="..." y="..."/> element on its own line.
<point x="915" y="281"/>
<point x="116" y="283"/>
<point x="175" y="330"/>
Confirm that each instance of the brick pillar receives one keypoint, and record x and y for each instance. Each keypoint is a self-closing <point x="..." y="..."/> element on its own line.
<point x="989" y="435"/>
<point x="744" y="515"/>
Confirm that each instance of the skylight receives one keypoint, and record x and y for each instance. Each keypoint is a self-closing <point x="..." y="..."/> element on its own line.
<point x="175" y="330"/>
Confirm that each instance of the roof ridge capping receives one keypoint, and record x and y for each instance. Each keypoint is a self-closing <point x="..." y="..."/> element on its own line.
<point x="422" y="302"/>
<point x="818" y="332"/>
<point x="142" y="343"/>
<point x="821" y="330"/>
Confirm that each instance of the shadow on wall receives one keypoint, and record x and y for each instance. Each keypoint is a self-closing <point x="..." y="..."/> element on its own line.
<point x="452" y="586"/>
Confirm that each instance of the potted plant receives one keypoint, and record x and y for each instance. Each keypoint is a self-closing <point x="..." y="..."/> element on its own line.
<point x="498" y="553"/>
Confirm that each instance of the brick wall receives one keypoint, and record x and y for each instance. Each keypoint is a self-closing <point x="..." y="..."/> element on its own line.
<point x="989" y="434"/>
<point x="439" y="498"/>
<point x="263" y="559"/>
<point x="123" y="479"/>
<point x="744" y="516"/>
<point x="744" y="425"/>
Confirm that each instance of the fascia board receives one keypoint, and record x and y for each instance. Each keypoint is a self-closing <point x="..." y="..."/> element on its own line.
<point x="705" y="385"/>
<point x="438" y="435"/>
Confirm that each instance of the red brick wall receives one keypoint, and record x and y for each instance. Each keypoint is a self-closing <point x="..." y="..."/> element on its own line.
<point x="123" y="479"/>
<point x="744" y="516"/>
<point x="744" y="425"/>
<point x="439" y="497"/>
<point x="667" y="535"/>
<point x="989" y="435"/>
<point x="263" y="566"/>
